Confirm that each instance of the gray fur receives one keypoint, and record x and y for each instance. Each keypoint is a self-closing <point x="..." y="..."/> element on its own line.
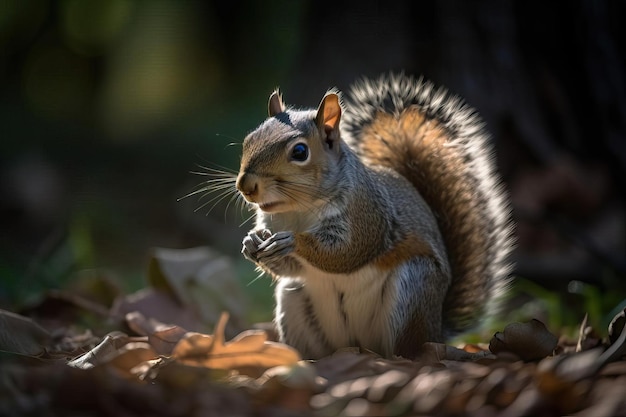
<point x="395" y="93"/>
<point x="358" y="253"/>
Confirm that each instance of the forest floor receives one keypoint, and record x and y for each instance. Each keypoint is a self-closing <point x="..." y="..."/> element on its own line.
<point x="167" y="350"/>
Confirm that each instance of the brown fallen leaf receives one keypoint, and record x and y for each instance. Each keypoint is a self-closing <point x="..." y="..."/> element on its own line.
<point x="289" y="387"/>
<point x="179" y="376"/>
<point x="105" y="351"/>
<point x="164" y="340"/>
<point x="301" y="375"/>
<point x="162" y="337"/>
<point x="342" y="366"/>
<point x="250" y="349"/>
<point x="563" y="381"/>
<point x="530" y="341"/>
<point x="474" y="347"/>
<point x="437" y="352"/>
<point x="269" y="328"/>
<point x="129" y="356"/>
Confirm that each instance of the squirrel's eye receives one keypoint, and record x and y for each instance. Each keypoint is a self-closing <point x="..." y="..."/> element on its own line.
<point x="300" y="152"/>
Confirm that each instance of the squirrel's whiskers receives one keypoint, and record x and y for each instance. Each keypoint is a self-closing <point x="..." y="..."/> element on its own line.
<point x="220" y="186"/>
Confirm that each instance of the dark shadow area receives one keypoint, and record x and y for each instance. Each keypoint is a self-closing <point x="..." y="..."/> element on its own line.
<point x="105" y="107"/>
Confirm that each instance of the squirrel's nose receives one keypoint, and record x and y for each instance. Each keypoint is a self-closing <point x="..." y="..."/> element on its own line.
<point x="247" y="185"/>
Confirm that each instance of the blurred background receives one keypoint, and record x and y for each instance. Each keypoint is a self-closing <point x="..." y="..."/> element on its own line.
<point x="107" y="105"/>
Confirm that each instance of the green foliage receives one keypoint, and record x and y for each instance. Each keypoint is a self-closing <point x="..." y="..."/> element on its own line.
<point x="564" y="311"/>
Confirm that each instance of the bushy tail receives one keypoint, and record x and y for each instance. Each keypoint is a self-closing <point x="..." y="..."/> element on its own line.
<point x="439" y="143"/>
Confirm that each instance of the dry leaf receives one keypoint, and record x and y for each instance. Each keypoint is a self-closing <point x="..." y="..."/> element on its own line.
<point x="572" y="367"/>
<point x="301" y="375"/>
<point x="162" y="337"/>
<point x="21" y="335"/>
<point x="437" y="352"/>
<point x="72" y="343"/>
<point x="130" y="356"/>
<point x="179" y="376"/>
<point x="190" y="288"/>
<point x="617" y="325"/>
<point x="475" y="347"/>
<point x="157" y="305"/>
<point x="290" y="387"/>
<point x="164" y="340"/>
<point x="200" y="279"/>
<point x="561" y="381"/>
<point x="342" y="366"/>
<point x="249" y="349"/>
<point x="269" y="328"/>
<point x="530" y="341"/>
<point x="426" y="391"/>
<point x="104" y="352"/>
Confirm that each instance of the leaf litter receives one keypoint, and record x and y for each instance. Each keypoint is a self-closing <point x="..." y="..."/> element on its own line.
<point x="150" y="355"/>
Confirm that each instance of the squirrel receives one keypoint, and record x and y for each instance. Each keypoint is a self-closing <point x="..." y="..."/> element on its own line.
<point x="380" y="216"/>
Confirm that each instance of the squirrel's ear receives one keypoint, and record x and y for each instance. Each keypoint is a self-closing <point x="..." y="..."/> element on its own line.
<point x="275" y="104"/>
<point x="328" y="116"/>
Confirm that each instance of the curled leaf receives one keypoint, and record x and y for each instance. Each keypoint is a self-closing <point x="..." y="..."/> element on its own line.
<point x="249" y="349"/>
<point x="529" y="341"/>
<point x="302" y="375"/>
<point x="617" y="325"/>
<point x="130" y="356"/>
<point x="162" y="337"/>
<point x="110" y="347"/>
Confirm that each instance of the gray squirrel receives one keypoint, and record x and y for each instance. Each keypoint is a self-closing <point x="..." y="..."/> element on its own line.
<point x="380" y="217"/>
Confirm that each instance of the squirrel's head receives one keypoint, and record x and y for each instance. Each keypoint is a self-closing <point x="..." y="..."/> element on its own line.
<point x="289" y="159"/>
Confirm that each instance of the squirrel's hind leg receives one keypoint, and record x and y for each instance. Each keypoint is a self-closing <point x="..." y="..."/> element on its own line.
<point x="421" y="287"/>
<point x="296" y="320"/>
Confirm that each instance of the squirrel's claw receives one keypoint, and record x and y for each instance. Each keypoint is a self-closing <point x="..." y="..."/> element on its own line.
<point x="249" y="249"/>
<point x="277" y="245"/>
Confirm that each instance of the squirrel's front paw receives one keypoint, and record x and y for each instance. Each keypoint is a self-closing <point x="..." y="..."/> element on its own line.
<point x="277" y="245"/>
<point x="251" y="244"/>
<point x="263" y="246"/>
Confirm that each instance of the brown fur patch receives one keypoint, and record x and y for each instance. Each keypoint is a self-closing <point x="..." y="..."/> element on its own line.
<point x="422" y="151"/>
<point x="411" y="132"/>
<point x="410" y="247"/>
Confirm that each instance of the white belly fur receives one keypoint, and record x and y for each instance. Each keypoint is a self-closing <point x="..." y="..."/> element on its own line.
<point x="360" y="317"/>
